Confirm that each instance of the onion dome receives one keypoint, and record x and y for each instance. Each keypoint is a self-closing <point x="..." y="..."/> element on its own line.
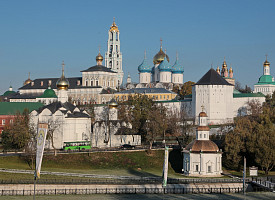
<point x="48" y="93"/>
<point x="28" y="80"/>
<point x="159" y="57"/>
<point x="114" y="27"/>
<point x="266" y="63"/>
<point x="113" y="104"/>
<point x="99" y="57"/>
<point x="218" y="70"/>
<point x="230" y="70"/>
<point x="165" y="66"/>
<point x="62" y="83"/>
<point x="202" y="114"/>
<point x="177" y="68"/>
<point x="224" y="63"/>
<point x="10" y="92"/>
<point x="144" y="66"/>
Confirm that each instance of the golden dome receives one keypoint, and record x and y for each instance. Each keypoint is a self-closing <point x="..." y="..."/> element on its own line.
<point x="113" y="104"/>
<point x="218" y="69"/>
<point x="114" y="27"/>
<point x="266" y="63"/>
<point x="99" y="57"/>
<point x="62" y="83"/>
<point x="28" y="80"/>
<point x="159" y="57"/>
<point x="230" y="70"/>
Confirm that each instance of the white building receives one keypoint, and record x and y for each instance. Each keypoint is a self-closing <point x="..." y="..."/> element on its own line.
<point x="202" y="156"/>
<point x="113" y="55"/>
<point x="219" y="98"/>
<point x="162" y="74"/>
<point x="266" y="84"/>
<point x="66" y="121"/>
<point x="97" y="83"/>
<point x="108" y="131"/>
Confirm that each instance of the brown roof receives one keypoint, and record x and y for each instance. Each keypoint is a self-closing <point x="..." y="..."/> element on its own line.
<point x="202" y="114"/>
<point x="203" y="128"/>
<point x="202" y="145"/>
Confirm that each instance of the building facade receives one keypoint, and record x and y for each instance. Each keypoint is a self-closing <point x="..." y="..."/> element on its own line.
<point x="113" y="55"/>
<point x="266" y="84"/>
<point x="202" y="157"/>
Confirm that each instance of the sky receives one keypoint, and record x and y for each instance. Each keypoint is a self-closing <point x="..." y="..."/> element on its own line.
<point x="36" y="36"/>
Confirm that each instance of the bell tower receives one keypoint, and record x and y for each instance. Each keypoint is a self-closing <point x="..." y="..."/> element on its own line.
<point x="113" y="56"/>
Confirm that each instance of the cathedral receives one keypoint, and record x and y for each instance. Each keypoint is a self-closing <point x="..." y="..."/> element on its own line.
<point x="162" y="74"/>
<point x="97" y="83"/>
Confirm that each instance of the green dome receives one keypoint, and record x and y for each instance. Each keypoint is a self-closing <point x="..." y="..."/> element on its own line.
<point x="48" y="93"/>
<point x="8" y="93"/>
<point x="266" y="79"/>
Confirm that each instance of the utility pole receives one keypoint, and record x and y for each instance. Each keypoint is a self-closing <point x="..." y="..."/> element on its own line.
<point x="244" y="174"/>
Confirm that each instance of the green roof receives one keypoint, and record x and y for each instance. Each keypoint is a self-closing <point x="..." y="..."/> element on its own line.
<point x="240" y="95"/>
<point x="265" y="79"/>
<point x="7" y="93"/>
<point x="11" y="108"/>
<point x="236" y="91"/>
<point x="48" y="93"/>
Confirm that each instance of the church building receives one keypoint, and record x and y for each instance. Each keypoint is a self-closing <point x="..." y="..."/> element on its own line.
<point x="97" y="83"/>
<point x="266" y="84"/>
<point x="202" y="157"/>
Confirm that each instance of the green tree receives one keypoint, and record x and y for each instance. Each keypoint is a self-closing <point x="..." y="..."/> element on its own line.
<point x="18" y="134"/>
<point x="187" y="88"/>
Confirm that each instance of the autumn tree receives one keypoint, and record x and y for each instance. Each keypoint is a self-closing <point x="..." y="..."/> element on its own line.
<point x="187" y="88"/>
<point x="253" y="136"/>
<point x="17" y="134"/>
<point x="156" y="124"/>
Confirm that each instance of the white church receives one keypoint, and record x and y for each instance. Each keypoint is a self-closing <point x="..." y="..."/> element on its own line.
<point x="202" y="157"/>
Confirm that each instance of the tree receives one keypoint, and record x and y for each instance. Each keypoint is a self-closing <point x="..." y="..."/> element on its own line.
<point x="139" y="107"/>
<point x="17" y="135"/>
<point x="253" y="136"/>
<point x="187" y="88"/>
<point x="155" y="124"/>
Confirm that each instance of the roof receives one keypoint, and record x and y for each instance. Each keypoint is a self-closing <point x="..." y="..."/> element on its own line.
<point x="125" y="131"/>
<point x="9" y="93"/>
<point x="48" y="93"/>
<point x="240" y="95"/>
<point x="145" y="90"/>
<point x="212" y="78"/>
<point x="206" y="146"/>
<point x="100" y="68"/>
<point x="164" y="66"/>
<point x="144" y="67"/>
<point x="73" y="84"/>
<point x="177" y="68"/>
<point x="266" y="79"/>
<point x="53" y="107"/>
<point x="11" y="108"/>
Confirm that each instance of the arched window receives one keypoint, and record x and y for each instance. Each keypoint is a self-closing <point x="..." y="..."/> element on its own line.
<point x="96" y="82"/>
<point x="86" y="82"/>
<point x="92" y="83"/>
<point x="110" y="64"/>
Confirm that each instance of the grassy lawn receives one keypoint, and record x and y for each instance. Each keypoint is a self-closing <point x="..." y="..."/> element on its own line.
<point x="137" y="163"/>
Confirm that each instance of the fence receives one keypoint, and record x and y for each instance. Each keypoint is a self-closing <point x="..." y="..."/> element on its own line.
<point x="121" y="191"/>
<point x="127" y="181"/>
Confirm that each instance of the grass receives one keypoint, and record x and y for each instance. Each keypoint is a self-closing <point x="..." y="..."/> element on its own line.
<point x="137" y="163"/>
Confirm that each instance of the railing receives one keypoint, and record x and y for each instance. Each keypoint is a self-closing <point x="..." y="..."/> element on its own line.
<point x="128" y="181"/>
<point x="121" y="191"/>
<point x="267" y="184"/>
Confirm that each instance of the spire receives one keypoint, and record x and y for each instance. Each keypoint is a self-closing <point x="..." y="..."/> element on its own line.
<point x="114" y="23"/>
<point x="177" y="55"/>
<point x="160" y="43"/>
<point x="63" y="65"/>
<point x="144" y="54"/>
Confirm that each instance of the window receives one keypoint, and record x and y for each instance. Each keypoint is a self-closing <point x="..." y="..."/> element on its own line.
<point x="209" y="169"/>
<point x="3" y="121"/>
<point x="200" y="136"/>
<point x="92" y="83"/>
<point x="204" y="135"/>
<point x="11" y="121"/>
<point x="197" y="168"/>
<point x="96" y="82"/>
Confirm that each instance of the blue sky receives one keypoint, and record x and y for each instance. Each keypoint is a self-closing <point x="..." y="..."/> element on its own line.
<point x="35" y="36"/>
